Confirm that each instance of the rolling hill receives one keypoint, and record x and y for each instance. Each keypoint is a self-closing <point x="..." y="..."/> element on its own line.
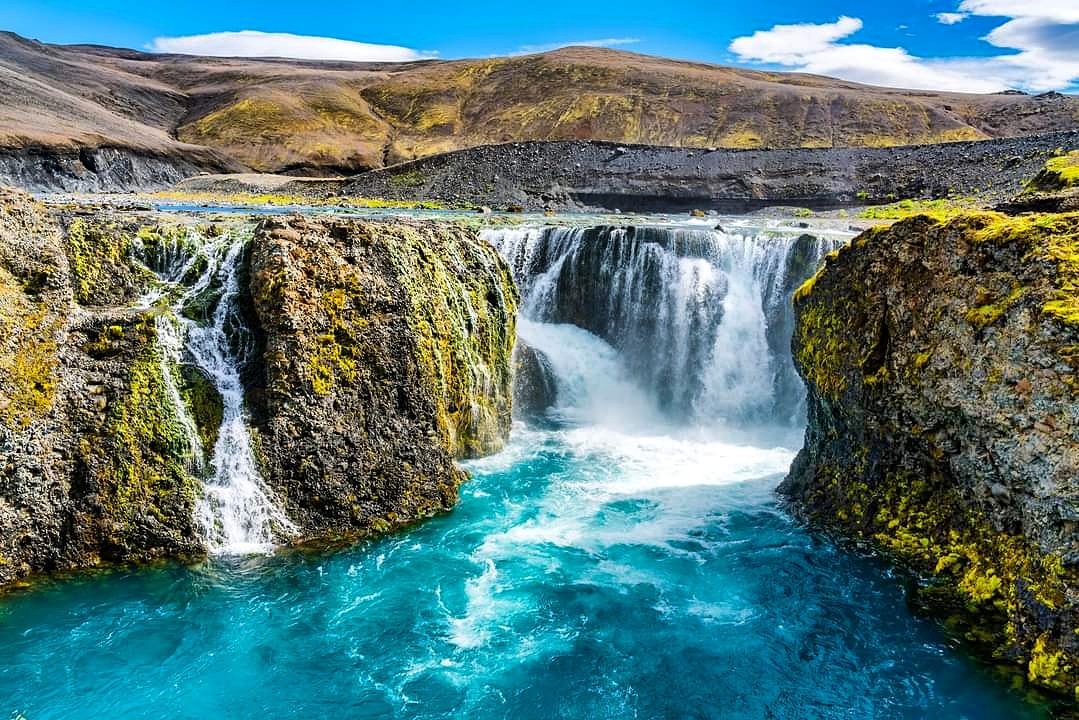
<point x="322" y="118"/>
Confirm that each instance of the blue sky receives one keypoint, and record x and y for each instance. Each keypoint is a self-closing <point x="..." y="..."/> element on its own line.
<point x="977" y="45"/>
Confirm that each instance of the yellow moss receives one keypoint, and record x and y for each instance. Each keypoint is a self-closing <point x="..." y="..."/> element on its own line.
<point x="285" y="199"/>
<point x="464" y="336"/>
<point x="1048" y="237"/>
<point x="823" y="351"/>
<point x="996" y="575"/>
<point x="985" y="315"/>
<point x="1059" y="173"/>
<point x="1046" y="664"/>
<point x="139" y="462"/>
<point x="28" y="378"/>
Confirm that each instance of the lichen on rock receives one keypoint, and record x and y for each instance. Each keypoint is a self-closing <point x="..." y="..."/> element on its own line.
<point x="384" y="353"/>
<point x="91" y="468"/>
<point x="940" y="358"/>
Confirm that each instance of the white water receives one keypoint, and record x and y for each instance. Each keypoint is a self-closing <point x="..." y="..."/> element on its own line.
<point x="700" y="319"/>
<point x="237" y="512"/>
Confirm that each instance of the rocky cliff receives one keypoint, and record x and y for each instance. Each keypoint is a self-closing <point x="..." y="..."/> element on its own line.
<point x="576" y="175"/>
<point x="93" y="466"/>
<point x="941" y="358"/>
<point x="383" y="353"/>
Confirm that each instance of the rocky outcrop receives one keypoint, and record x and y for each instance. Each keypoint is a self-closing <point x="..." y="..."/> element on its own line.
<point x="941" y="364"/>
<point x="535" y="388"/>
<point x="105" y="169"/>
<point x="93" y="466"/>
<point x="385" y="354"/>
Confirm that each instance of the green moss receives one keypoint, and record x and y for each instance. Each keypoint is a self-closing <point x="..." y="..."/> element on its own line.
<point x="204" y="403"/>
<point x="411" y="179"/>
<point x="1059" y="173"/>
<point x="139" y="463"/>
<point x="463" y="309"/>
<point x="939" y="210"/>
<point x="99" y="255"/>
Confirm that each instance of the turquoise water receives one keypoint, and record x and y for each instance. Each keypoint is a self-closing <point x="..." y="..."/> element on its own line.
<point x="586" y="573"/>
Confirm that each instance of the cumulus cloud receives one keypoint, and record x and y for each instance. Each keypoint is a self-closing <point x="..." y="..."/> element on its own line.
<point x="951" y="18"/>
<point x="1056" y="10"/>
<point x="252" y="43"/>
<point x="601" y="42"/>
<point x="816" y="49"/>
<point x="1046" y="41"/>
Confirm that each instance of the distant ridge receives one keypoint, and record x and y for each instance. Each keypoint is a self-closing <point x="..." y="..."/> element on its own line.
<point x="324" y="118"/>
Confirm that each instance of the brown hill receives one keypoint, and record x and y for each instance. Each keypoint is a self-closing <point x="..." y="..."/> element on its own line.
<point x="331" y="117"/>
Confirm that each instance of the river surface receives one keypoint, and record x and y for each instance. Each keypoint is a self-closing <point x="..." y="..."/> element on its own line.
<point x="586" y="573"/>
<point x="624" y="557"/>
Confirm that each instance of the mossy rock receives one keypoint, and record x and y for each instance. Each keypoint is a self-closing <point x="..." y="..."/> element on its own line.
<point x="205" y="404"/>
<point x="940" y="359"/>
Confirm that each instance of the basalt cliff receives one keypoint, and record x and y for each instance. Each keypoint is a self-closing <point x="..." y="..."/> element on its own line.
<point x="374" y="354"/>
<point x="940" y="357"/>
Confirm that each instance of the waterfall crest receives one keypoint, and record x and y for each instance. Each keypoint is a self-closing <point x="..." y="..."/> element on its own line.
<point x="200" y="283"/>
<point x="700" y="318"/>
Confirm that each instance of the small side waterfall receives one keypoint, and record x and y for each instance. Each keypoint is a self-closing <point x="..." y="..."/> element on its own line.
<point x="200" y="282"/>
<point x="701" y="318"/>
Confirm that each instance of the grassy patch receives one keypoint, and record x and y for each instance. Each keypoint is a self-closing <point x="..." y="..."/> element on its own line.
<point x="942" y="209"/>
<point x="258" y="199"/>
<point x="1059" y="173"/>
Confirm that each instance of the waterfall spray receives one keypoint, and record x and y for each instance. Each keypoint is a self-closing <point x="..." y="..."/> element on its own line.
<point x="701" y="318"/>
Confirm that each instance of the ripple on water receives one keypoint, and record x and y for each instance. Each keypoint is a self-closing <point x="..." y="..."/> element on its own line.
<point x="585" y="574"/>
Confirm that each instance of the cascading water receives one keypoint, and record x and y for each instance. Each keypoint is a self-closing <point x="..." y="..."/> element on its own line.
<point x="200" y="276"/>
<point x="624" y="557"/>
<point x="701" y="318"/>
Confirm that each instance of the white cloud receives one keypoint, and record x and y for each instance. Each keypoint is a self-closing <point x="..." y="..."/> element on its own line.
<point x="602" y="42"/>
<point x="791" y="44"/>
<point x="1048" y="56"/>
<point x="951" y="18"/>
<point x="252" y="43"/>
<point x="1063" y="11"/>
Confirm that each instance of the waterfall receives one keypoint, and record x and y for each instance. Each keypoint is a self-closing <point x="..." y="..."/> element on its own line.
<point x="200" y="281"/>
<point x="701" y="319"/>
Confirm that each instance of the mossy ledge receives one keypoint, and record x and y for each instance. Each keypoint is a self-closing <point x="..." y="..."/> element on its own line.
<point x="940" y="356"/>
<point x="384" y="354"/>
<point x="93" y="467"/>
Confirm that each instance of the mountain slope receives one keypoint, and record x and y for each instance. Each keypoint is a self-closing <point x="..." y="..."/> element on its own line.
<point x="333" y="117"/>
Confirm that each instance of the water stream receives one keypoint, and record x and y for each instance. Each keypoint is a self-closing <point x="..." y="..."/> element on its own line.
<point x="200" y="276"/>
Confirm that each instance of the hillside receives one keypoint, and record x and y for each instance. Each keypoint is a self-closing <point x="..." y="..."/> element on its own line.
<point x="338" y="118"/>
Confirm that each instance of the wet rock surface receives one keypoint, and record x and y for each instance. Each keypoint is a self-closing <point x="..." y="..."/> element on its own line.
<point x="92" y="467"/>
<point x="385" y="354"/>
<point x="941" y="363"/>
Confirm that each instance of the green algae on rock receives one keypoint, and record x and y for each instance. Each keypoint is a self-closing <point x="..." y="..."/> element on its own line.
<point x="384" y="353"/>
<point x="940" y="358"/>
<point x="90" y="466"/>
